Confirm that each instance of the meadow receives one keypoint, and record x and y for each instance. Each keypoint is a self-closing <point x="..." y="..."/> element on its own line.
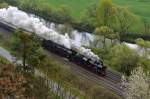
<point x="141" y="9"/>
<point x="77" y="7"/>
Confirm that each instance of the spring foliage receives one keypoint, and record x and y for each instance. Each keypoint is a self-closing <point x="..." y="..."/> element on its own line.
<point x="137" y="86"/>
<point x="122" y="58"/>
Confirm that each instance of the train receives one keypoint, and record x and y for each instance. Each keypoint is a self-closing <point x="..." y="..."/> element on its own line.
<point x="72" y="55"/>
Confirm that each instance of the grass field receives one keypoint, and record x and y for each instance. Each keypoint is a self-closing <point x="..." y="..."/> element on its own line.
<point x="141" y="9"/>
<point x="78" y="6"/>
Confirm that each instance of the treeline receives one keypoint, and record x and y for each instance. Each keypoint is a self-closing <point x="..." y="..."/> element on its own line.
<point x="124" y="59"/>
<point x="120" y="19"/>
<point x="131" y="37"/>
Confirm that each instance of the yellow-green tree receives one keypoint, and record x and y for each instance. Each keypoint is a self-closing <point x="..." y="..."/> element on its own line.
<point x="145" y="53"/>
<point x="122" y="58"/>
<point x="64" y="14"/>
<point x="104" y="12"/>
<point x="21" y="45"/>
<point x="3" y="5"/>
<point x="27" y="47"/>
<point x="124" y="18"/>
<point x="106" y="32"/>
<point x="145" y="45"/>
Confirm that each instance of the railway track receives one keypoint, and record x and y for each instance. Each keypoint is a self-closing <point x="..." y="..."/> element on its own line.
<point x="111" y="81"/>
<point x="111" y="76"/>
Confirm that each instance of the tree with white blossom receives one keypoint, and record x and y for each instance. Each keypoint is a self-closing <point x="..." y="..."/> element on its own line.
<point x="137" y="86"/>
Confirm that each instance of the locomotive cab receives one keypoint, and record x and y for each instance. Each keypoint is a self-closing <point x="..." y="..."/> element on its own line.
<point x="101" y="69"/>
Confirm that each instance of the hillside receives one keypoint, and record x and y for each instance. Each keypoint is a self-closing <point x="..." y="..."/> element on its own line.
<point x="17" y="85"/>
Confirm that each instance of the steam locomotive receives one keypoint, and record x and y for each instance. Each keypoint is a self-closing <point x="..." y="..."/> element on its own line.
<point x="75" y="57"/>
<point x="72" y="55"/>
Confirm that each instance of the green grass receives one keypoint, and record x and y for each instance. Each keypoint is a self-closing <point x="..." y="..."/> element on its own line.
<point x="78" y="6"/>
<point x="141" y="9"/>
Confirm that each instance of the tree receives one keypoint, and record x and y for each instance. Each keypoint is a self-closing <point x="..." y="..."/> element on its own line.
<point x="146" y="27"/>
<point x="90" y="12"/>
<point x="13" y="85"/>
<point x="88" y="18"/>
<point x="114" y="16"/>
<point x="27" y="47"/>
<point x="125" y="19"/>
<point x="144" y="45"/>
<point x="64" y="14"/>
<point x="122" y="58"/>
<point x="21" y="45"/>
<point x="36" y="55"/>
<point x="113" y="36"/>
<point x="43" y="10"/>
<point x="3" y="5"/>
<point x="145" y="53"/>
<point x="11" y="2"/>
<point x="145" y="63"/>
<point x="26" y="4"/>
<point x="105" y="12"/>
<point x="106" y="32"/>
<point x="137" y="86"/>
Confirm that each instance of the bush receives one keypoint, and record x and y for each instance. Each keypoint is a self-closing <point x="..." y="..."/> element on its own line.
<point x="3" y="60"/>
<point x="3" y="5"/>
<point x="122" y="58"/>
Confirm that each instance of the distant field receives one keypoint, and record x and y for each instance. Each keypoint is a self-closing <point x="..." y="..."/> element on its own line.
<point x="142" y="9"/>
<point x="76" y="6"/>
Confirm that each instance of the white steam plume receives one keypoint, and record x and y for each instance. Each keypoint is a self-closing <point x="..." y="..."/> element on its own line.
<point x="21" y="19"/>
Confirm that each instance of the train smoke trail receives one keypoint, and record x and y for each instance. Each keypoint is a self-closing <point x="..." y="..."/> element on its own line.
<point x="21" y="19"/>
<point x="81" y="38"/>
